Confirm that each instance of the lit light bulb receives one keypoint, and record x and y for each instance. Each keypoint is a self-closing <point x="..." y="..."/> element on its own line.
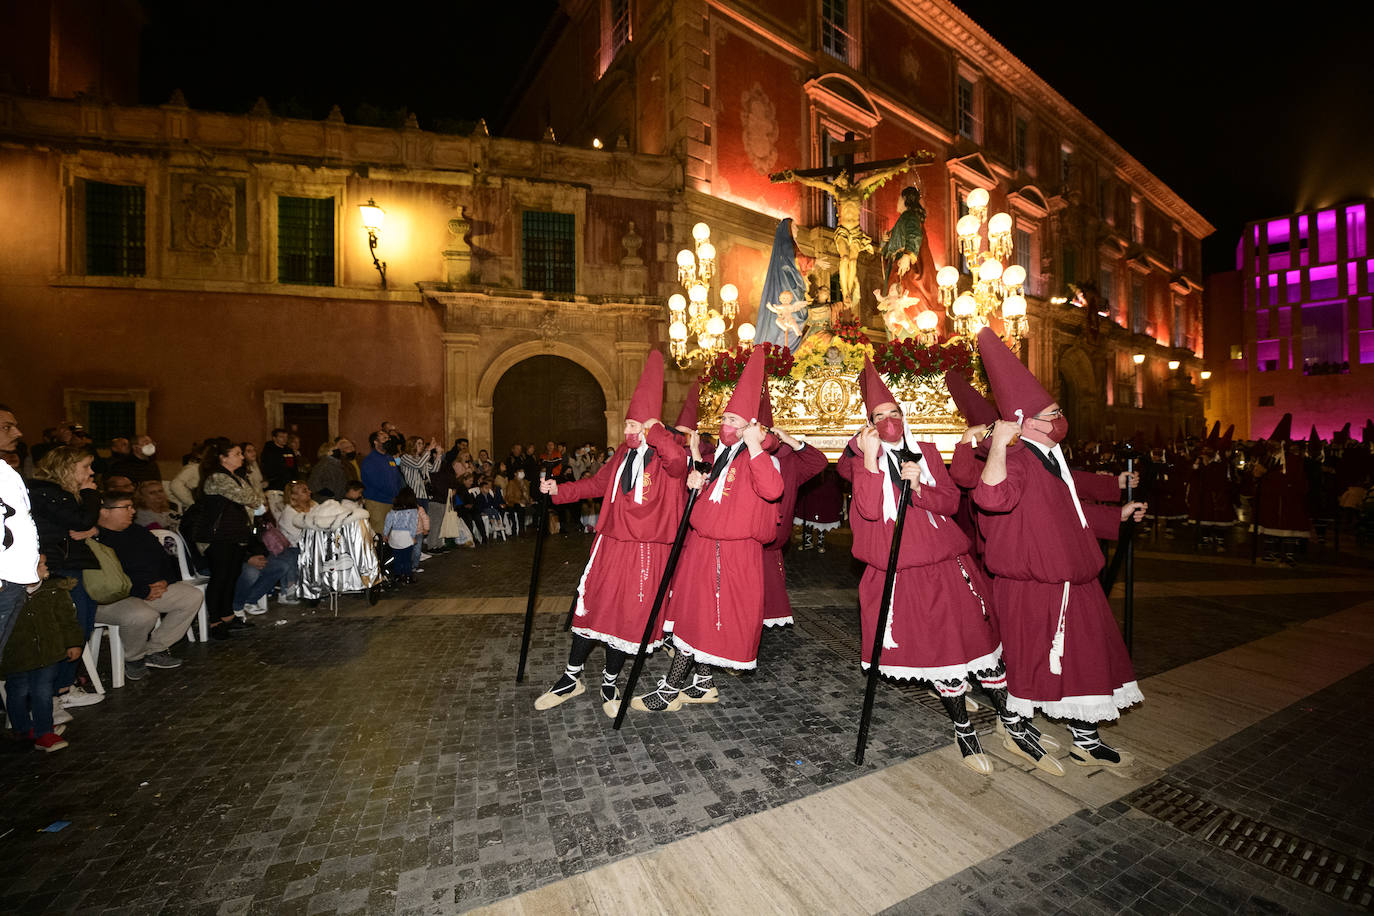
<point x="596" y="143"/>
<point x="686" y="259"/>
<point x="1138" y="358"/>
<point x="729" y="293"/>
<point x="701" y="232"/>
<point x="697" y="293"/>
<point x="1014" y="307"/>
<point x="1015" y="275"/>
<point x="715" y="325"/>
<point x="990" y="269"/>
<point x="967" y="226"/>
<point x="977" y="199"/>
<point x="1205" y="374"/>
<point x="1000" y="224"/>
<point x="676" y="302"/>
<point x="927" y="320"/>
<point x="707" y="251"/>
<point x="1173" y="365"/>
<point x="947" y="276"/>
<point x="706" y="342"/>
<point x="965" y="306"/>
<point x="746" y="332"/>
<point x="677" y="331"/>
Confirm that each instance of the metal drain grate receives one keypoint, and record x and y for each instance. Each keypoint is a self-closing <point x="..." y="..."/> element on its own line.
<point x="843" y="641"/>
<point x="1347" y="878"/>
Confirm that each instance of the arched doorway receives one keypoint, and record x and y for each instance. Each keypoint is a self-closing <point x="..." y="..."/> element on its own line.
<point x="547" y="397"/>
<point x="1078" y="394"/>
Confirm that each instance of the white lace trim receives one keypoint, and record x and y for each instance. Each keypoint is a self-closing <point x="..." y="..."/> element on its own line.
<point x="1087" y="708"/>
<point x="709" y="659"/>
<point x="778" y="621"/>
<point x="941" y="672"/>
<point x="615" y="642"/>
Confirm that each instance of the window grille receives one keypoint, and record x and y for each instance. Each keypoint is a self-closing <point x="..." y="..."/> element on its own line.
<point x="106" y="420"/>
<point x="115" y="230"/>
<point x="963" y="114"/>
<point x="305" y="240"/>
<point x="550" y="251"/>
<point x="836" y="38"/>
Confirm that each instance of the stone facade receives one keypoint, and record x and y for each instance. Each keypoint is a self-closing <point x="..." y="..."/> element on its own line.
<point x="742" y="88"/>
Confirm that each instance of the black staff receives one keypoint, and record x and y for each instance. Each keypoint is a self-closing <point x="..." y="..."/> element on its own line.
<point x="541" y="522"/>
<point x="658" y="605"/>
<point x="1128" y="615"/>
<point x="572" y="609"/>
<point x="872" y="687"/>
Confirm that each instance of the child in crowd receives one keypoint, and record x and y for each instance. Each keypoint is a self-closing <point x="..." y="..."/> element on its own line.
<point x="491" y="505"/>
<point x="401" y="531"/>
<point x="45" y="634"/>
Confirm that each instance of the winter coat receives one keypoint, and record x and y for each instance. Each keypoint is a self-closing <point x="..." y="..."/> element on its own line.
<point x="55" y="512"/>
<point x="44" y="629"/>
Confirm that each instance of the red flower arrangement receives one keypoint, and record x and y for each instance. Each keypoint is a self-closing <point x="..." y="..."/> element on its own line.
<point x="847" y="329"/>
<point x="725" y="369"/>
<point x="906" y="360"/>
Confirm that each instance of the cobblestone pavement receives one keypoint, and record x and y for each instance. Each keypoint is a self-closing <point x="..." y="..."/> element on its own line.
<point x="1302" y="773"/>
<point x="378" y="762"/>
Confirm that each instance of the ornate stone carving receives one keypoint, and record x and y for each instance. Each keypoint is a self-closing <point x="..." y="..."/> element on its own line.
<point x="549" y="330"/>
<point x="759" y="120"/>
<point x="207" y="217"/>
<point x="631" y="242"/>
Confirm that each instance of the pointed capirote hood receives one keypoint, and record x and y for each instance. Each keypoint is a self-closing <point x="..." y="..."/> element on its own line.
<point x="1284" y="431"/>
<point x="1312" y="437"/>
<point x="647" y="401"/>
<point x="1341" y="436"/>
<point x="974" y="407"/>
<point x="1018" y="393"/>
<point x="691" y="408"/>
<point x="873" y="388"/>
<point x="1226" y="437"/>
<point x="1367" y="434"/>
<point x="1215" y="434"/>
<point x="744" y="400"/>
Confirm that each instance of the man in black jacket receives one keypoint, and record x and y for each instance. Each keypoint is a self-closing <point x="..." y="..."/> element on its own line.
<point x="155" y="593"/>
<point x="279" y="462"/>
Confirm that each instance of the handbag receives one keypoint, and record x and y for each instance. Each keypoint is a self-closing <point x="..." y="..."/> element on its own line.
<point x="274" y="540"/>
<point x="107" y="583"/>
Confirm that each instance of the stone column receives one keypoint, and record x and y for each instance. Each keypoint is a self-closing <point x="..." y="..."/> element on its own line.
<point x="460" y="390"/>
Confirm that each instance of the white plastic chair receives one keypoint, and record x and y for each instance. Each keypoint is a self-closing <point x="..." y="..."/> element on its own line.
<point x="92" y="655"/>
<point x="173" y="544"/>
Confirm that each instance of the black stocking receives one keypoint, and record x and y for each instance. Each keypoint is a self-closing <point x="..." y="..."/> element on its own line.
<point x="680" y="671"/>
<point x="581" y="648"/>
<point x="615" y="660"/>
<point x="1088" y="744"/>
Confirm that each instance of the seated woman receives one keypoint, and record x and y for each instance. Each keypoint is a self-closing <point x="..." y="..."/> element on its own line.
<point x="278" y="561"/>
<point x="154" y="508"/>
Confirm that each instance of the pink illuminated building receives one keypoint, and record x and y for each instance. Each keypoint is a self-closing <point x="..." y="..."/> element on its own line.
<point x="1292" y="329"/>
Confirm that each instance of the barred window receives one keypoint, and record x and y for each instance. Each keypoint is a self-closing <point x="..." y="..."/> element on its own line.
<point x="620" y="25"/>
<point x="115" y="230"/>
<point x="106" y="420"/>
<point x="1137" y="306"/>
<point x="1021" y="245"/>
<point x="963" y="108"/>
<point x="305" y="240"/>
<point x="837" y="39"/>
<point x="550" y="251"/>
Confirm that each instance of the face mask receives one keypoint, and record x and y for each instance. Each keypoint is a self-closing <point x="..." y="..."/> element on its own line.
<point x="890" y="429"/>
<point x="1059" y="428"/>
<point x="728" y="435"/>
<point x="148" y="450"/>
<point x="633" y="440"/>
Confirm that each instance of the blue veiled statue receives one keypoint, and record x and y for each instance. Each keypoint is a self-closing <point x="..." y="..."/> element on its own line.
<point x="783" y="285"/>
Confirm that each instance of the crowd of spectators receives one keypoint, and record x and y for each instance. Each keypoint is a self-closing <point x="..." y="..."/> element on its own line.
<point x="93" y="538"/>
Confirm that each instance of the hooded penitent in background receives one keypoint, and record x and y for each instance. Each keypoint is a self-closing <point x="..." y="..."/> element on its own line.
<point x="782" y="305"/>
<point x="642" y="498"/>
<point x="1064" y="654"/>
<point x="717" y="600"/>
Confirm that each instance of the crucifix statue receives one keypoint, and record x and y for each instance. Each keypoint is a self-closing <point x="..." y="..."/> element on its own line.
<point x="842" y="182"/>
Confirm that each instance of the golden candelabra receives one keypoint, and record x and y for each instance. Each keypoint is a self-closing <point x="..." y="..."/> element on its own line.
<point x="996" y="289"/>
<point x="692" y="316"/>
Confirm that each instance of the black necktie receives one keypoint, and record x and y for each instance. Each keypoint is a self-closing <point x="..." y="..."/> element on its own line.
<point x="722" y="462"/>
<point x="628" y="476"/>
<point x="1054" y="465"/>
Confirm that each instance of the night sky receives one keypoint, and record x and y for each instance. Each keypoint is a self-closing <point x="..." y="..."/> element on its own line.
<point x="1244" y="113"/>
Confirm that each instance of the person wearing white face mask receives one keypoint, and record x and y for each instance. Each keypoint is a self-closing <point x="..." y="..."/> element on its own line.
<point x="136" y="462"/>
<point x="1064" y="654"/>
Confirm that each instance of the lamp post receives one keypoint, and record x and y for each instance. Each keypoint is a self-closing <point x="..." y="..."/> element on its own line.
<point x="996" y="288"/>
<point x="693" y="315"/>
<point x="373" y="217"/>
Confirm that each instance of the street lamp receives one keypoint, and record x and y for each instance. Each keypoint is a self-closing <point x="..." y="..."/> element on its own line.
<point x="692" y="315"/>
<point x="997" y="288"/>
<point x="373" y="217"/>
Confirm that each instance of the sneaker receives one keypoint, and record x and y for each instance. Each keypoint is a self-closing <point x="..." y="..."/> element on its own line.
<point x="161" y="660"/>
<point x="59" y="714"/>
<point x="134" y="669"/>
<point x="287" y="599"/>
<point x="254" y="609"/>
<point x="563" y="689"/>
<point x="425" y="556"/>
<point x="78" y="697"/>
<point x="50" y="742"/>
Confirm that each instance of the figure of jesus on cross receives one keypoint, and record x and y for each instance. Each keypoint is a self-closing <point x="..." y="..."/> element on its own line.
<point x="849" y="191"/>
